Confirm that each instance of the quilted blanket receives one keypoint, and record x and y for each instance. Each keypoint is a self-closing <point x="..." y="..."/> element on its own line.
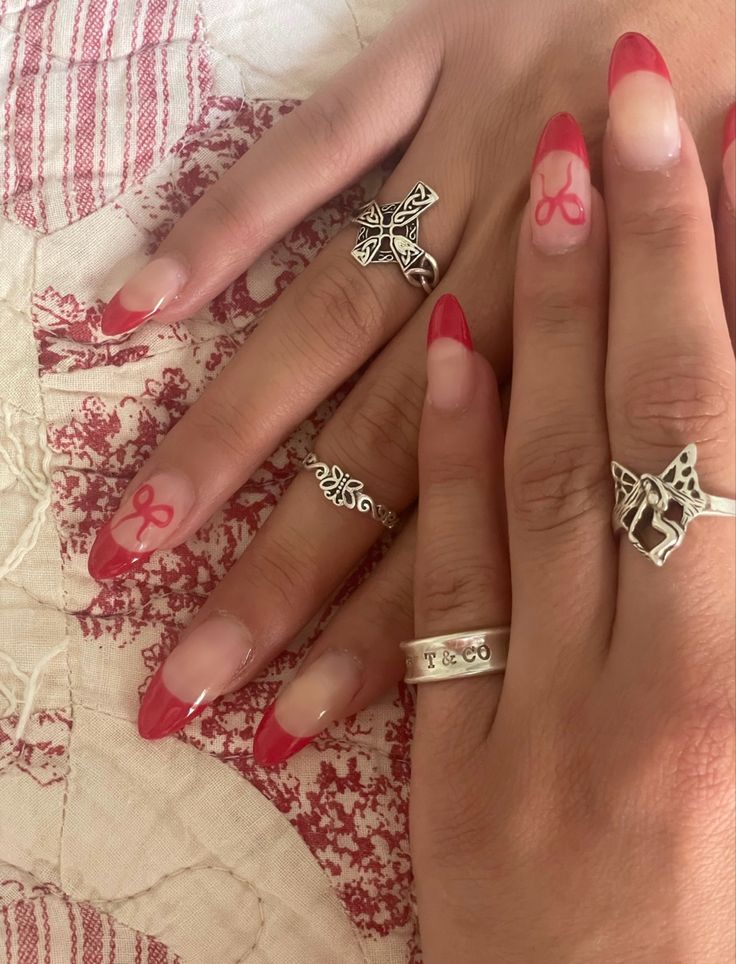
<point x="115" y="116"/>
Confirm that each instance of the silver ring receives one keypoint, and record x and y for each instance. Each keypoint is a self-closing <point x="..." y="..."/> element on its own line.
<point x="655" y="510"/>
<point x="342" y="489"/>
<point x="390" y="232"/>
<point x="473" y="653"/>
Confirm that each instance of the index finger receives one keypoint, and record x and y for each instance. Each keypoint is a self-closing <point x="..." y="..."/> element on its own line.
<point x="462" y="576"/>
<point x="309" y="156"/>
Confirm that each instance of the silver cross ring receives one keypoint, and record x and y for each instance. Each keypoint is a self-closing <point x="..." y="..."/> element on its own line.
<point x="390" y="232"/>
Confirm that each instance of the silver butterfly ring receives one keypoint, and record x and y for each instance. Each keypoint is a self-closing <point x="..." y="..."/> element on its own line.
<point x="342" y="489"/>
<point x="655" y="510"/>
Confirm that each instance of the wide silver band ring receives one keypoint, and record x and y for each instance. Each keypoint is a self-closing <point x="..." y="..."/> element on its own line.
<point x="655" y="510"/>
<point x="473" y="653"/>
<point x="390" y="232"/>
<point x="341" y="489"/>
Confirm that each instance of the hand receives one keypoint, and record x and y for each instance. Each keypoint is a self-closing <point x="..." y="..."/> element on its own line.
<point x="583" y="810"/>
<point x="467" y="92"/>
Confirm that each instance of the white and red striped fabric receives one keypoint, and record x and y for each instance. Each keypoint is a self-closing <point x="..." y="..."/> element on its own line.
<point x="116" y="115"/>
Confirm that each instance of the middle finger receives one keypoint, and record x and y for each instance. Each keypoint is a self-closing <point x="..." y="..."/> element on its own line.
<point x="558" y="483"/>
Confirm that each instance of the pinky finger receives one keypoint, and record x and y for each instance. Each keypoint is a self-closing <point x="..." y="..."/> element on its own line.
<point x="354" y="662"/>
<point x="726" y="222"/>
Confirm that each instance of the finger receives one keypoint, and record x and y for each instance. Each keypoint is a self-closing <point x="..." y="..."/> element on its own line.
<point x="325" y="325"/>
<point x="308" y="544"/>
<point x="726" y="222"/>
<point x="312" y="153"/>
<point x="557" y="458"/>
<point x="670" y="370"/>
<point x="280" y="582"/>
<point x="355" y="660"/>
<point x="353" y="663"/>
<point x="462" y="578"/>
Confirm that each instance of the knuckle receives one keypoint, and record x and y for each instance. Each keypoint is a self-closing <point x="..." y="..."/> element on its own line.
<point x="455" y="584"/>
<point x="324" y="121"/>
<point x="663" y="227"/>
<point x="284" y="570"/>
<point x="682" y="399"/>
<point x="557" y="478"/>
<point x="339" y="310"/>
<point x="377" y="435"/>
<point x="392" y="597"/>
<point x="232" y="220"/>
<point x="553" y="308"/>
<point x="217" y="420"/>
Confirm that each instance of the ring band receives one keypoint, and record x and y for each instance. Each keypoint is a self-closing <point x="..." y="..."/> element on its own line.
<point x="390" y="232"/>
<point x="341" y="489"/>
<point x="474" y="653"/>
<point x="655" y="510"/>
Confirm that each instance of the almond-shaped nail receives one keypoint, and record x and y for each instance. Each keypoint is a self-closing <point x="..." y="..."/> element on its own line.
<point x="560" y="187"/>
<point x="195" y="673"/>
<point x="729" y="157"/>
<point x="319" y="695"/>
<point x="450" y="365"/>
<point x="146" y="519"/>
<point x="152" y="288"/>
<point x="645" y="124"/>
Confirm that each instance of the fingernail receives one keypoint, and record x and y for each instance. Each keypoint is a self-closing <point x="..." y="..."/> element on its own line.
<point x="560" y="187"/>
<point x="645" y="124"/>
<point x="145" y="520"/>
<point x="319" y="695"/>
<point x="195" y="673"/>
<point x="449" y="356"/>
<point x="143" y="295"/>
<point x="729" y="157"/>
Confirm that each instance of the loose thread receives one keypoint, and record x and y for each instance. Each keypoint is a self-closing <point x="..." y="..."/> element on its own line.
<point x="31" y="684"/>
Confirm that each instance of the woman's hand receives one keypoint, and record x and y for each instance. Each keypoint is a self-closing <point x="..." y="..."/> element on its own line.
<point x="584" y="811"/>
<point x="463" y="87"/>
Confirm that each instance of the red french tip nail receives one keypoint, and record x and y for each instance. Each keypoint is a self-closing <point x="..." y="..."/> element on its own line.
<point x="116" y="320"/>
<point x="107" y="558"/>
<point x="729" y="129"/>
<point x="273" y="744"/>
<point x="162" y="713"/>
<point x="561" y="133"/>
<point x="448" y="321"/>
<point x="634" y="51"/>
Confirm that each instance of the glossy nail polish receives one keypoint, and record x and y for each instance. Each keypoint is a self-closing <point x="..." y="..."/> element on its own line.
<point x="645" y="124"/>
<point x="195" y="673"/>
<point x="729" y="157"/>
<point x="146" y="519"/>
<point x="319" y="695"/>
<point x="153" y="287"/>
<point x="448" y="321"/>
<point x="560" y="187"/>
<point x="450" y="363"/>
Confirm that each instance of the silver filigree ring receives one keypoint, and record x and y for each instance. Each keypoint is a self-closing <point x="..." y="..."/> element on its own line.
<point x="342" y="489"/>
<point x="390" y="232"/>
<point x="655" y="510"/>
<point x="473" y="653"/>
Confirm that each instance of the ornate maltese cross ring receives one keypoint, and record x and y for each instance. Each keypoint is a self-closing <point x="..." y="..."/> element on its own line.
<point x="390" y="232"/>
